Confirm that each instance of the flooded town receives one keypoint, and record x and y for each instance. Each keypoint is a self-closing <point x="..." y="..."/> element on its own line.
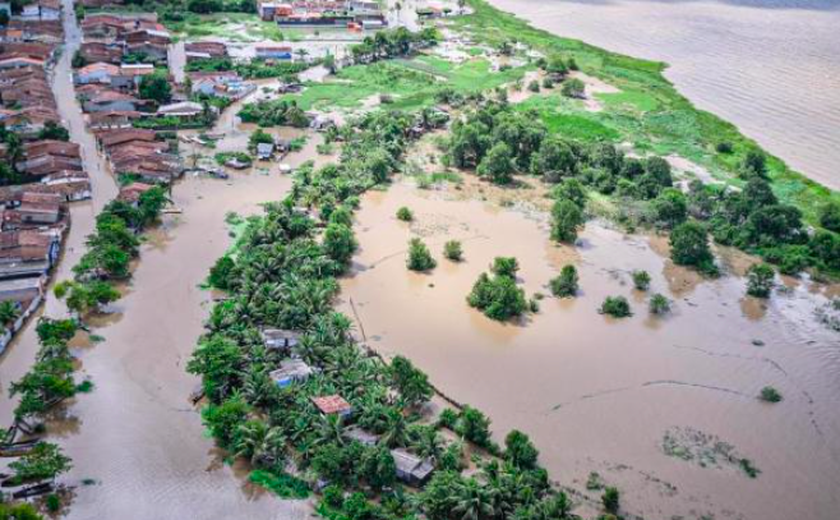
<point x="389" y="259"/>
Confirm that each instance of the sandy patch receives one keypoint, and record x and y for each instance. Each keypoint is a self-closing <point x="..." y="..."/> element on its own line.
<point x="593" y="86"/>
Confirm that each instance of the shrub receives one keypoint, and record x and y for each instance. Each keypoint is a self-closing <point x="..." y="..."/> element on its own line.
<point x="659" y="305"/>
<point x="641" y="280"/>
<point x="405" y="214"/>
<point x="566" y="217"/>
<point x="53" y="503"/>
<point x="505" y="266"/>
<point x="520" y="451"/>
<point x="448" y="418"/>
<point x="760" y="280"/>
<point x="830" y="216"/>
<point x="534" y="86"/>
<point x="573" y="88"/>
<point x="498" y="298"/>
<point x="474" y="426"/>
<point x="724" y="147"/>
<point x="770" y="395"/>
<point x="419" y="257"/>
<point x="610" y="500"/>
<point x="670" y="207"/>
<point x="452" y="250"/>
<point x="548" y="83"/>
<point x="690" y="247"/>
<point x="566" y="284"/>
<point x="616" y="306"/>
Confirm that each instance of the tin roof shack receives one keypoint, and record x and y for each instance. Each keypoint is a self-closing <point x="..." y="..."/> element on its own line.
<point x="273" y="52"/>
<point x="411" y="469"/>
<point x="279" y="339"/>
<point x="355" y="433"/>
<point x="291" y="371"/>
<point x="188" y="110"/>
<point x="265" y="151"/>
<point x="333" y="405"/>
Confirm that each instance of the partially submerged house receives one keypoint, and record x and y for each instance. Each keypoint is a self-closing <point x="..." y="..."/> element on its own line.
<point x="265" y="151"/>
<point x="291" y="371"/>
<point x="412" y="469"/>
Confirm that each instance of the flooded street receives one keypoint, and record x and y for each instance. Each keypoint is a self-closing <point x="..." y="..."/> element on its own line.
<point x="771" y="67"/>
<point x="21" y="352"/>
<point x="598" y="394"/>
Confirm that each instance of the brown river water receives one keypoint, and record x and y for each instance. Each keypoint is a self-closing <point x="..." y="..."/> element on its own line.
<point x="598" y="394"/>
<point x="771" y="67"/>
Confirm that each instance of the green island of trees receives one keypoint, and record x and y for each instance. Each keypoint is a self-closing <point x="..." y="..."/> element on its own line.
<point x="498" y="296"/>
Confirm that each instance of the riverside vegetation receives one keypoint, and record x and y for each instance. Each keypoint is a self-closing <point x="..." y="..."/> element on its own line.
<point x="283" y="275"/>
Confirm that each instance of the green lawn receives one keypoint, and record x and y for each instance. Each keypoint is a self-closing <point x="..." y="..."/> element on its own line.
<point x="648" y="111"/>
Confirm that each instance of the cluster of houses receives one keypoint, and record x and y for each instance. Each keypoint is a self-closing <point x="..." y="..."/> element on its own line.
<point x="352" y="14"/>
<point x="111" y="37"/>
<point x="139" y="153"/>
<point x="32" y="224"/>
<point x="223" y="84"/>
<point x="410" y="468"/>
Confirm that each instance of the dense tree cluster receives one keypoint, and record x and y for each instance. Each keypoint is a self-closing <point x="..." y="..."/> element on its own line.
<point x="498" y="296"/>
<point x="393" y="43"/>
<point x="111" y="248"/>
<point x="274" y="112"/>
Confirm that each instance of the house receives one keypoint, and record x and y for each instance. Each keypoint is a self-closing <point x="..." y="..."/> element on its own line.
<point x="279" y="339"/>
<point x="21" y="289"/>
<point x="112" y="119"/>
<point x="332" y="405"/>
<point x="20" y="62"/>
<point x="131" y="193"/>
<point x="111" y="139"/>
<point x="291" y="371"/>
<point x="274" y="52"/>
<point x="205" y="50"/>
<point x="321" y="123"/>
<point x="411" y="469"/>
<point x="129" y="75"/>
<point x="269" y="10"/>
<point x="51" y="147"/>
<point x="109" y="52"/>
<point x="26" y="253"/>
<point x="35" y="209"/>
<point x="112" y="101"/>
<point x="265" y="151"/>
<point x="182" y="109"/>
<point x="355" y="433"/>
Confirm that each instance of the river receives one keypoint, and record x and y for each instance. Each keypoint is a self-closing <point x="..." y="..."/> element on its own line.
<point x="771" y="67"/>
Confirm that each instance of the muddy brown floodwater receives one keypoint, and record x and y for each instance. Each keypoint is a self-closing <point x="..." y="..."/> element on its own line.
<point x="598" y="394"/>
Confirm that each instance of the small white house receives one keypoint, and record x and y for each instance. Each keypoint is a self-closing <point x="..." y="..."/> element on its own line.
<point x="265" y="151"/>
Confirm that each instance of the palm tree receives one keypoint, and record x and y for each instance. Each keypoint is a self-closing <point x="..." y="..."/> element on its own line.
<point x="396" y="428"/>
<point x="302" y="54"/>
<point x="427" y="442"/>
<point x="473" y="502"/>
<point x="9" y="313"/>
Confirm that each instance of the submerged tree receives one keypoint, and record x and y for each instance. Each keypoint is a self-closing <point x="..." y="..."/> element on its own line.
<point x="419" y="257"/>
<point x="566" y="284"/>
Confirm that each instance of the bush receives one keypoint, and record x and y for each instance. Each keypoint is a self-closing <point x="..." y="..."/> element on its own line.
<point x="340" y="243"/>
<point x="419" y="257"/>
<point x="641" y="280"/>
<point x="534" y="86"/>
<point x="566" y="217"/>
<point x="566" y="284"/>
<point x="659" y="305"/>
<point x="405" y="214"/>
<point x="670" y="207"/>
<point x="770" y="395"/>
<point x="548" y="83"/>
<point x="830" y="216"/>
<point x="610" y="500"/>
<point x="760" y="280"/>
<point x="616" y="306"/>
<point x="520" y="451"/>
<point x="573" y="88"/>
<point x="53" y="503"/>
<point x="690" y="247"/>
<point x="498" y="298"/>
<point x="474" y="426"/>
<point x="447" y="419"/>
<point x="505" y="266"/>
<point x="724" y="147"/>
<point x="452" y="250"/>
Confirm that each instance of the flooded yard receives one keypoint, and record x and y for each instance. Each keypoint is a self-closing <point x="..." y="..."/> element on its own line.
<point x="598" y="394"/>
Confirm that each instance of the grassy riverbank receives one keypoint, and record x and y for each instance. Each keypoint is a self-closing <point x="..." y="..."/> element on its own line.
<point x="649" y="112"/>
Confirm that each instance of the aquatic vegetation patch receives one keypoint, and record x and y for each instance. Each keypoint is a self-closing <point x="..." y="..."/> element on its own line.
<point x="705" y="450"/>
